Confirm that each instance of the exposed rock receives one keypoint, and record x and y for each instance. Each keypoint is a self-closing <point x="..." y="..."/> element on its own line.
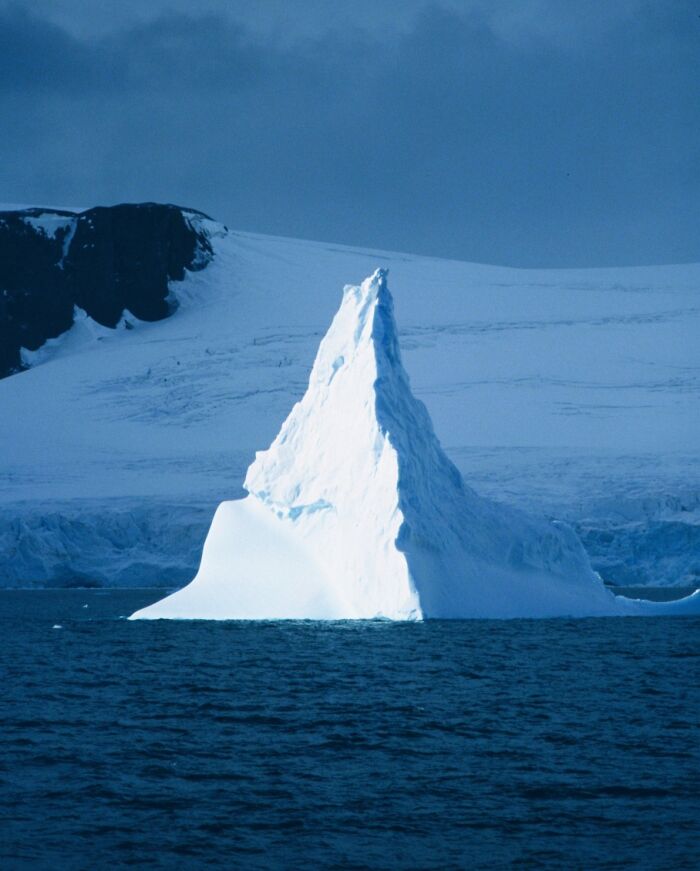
<point x="102" y="260"/>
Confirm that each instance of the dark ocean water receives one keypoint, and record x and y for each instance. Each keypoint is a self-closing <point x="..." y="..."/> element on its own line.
<point x="471" y="744"/>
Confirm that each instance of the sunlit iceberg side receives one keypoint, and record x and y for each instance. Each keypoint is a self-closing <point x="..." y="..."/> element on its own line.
<point x="355" y="512"/>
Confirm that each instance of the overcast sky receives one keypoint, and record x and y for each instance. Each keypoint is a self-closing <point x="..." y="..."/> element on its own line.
<point x="525" y="132"/>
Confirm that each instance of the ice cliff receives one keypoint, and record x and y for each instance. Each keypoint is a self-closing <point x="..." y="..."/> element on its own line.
<point x="355" y="511"/>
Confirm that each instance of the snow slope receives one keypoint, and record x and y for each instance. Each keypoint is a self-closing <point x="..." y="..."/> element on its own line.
<point x="569" y="392"/>
<point x="356" y="512"/>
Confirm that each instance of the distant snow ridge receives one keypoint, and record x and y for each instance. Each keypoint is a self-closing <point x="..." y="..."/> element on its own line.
<point x="356" y="512"/>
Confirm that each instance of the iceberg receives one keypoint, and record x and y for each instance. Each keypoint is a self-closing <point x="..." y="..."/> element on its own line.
<point x="356" y="512"/>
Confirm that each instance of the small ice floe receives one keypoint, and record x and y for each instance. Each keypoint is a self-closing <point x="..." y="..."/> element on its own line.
<point x="84" y="606"/>
<point x="57" y="626"/>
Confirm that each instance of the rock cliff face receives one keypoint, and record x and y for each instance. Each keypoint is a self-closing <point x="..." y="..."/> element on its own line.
<point x="103" y="260"/>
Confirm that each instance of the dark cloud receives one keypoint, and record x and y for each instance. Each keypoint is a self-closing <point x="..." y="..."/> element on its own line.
<point x="36" y="55"/>
<point x="551" y="139"/>
<point x="194" y="54"/>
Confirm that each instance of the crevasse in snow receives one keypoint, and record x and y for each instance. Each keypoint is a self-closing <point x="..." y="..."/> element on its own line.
<point x="356" y="512"/>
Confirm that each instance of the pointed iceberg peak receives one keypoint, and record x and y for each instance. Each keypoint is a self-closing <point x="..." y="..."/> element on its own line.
<point x="365" y="319"/>
<point x="379" y="284"/>
<point x="333" y="433"/>
<point x="374" y="285"/>
<point x="372" y="292"/>
<point x="363" y="326"/>
<point x="375" y="290"/>
<point x="379" y="275"/>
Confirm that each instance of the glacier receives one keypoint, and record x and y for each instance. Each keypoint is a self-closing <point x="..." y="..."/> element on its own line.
<point x="356" y="512"/>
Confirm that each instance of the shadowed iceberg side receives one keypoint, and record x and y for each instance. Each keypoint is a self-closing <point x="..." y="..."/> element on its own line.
<point x="356" y="512"/>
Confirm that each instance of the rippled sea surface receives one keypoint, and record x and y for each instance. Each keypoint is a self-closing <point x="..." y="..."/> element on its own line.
<point x="470" y="744"/>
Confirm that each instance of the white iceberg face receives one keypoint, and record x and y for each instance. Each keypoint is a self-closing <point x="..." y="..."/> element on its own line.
<point x="356" y="512"/>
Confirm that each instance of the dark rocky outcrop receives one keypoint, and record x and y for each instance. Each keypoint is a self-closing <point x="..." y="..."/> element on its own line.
<point x="103" y="260"/>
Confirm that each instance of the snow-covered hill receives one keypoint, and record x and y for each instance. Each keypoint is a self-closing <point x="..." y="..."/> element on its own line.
<point x="571" y="392"/>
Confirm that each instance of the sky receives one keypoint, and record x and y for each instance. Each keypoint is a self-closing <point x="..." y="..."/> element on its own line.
<point x="520" y="132"/>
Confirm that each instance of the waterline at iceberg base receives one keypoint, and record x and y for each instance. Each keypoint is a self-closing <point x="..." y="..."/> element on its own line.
<point x="355" y="512"/>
